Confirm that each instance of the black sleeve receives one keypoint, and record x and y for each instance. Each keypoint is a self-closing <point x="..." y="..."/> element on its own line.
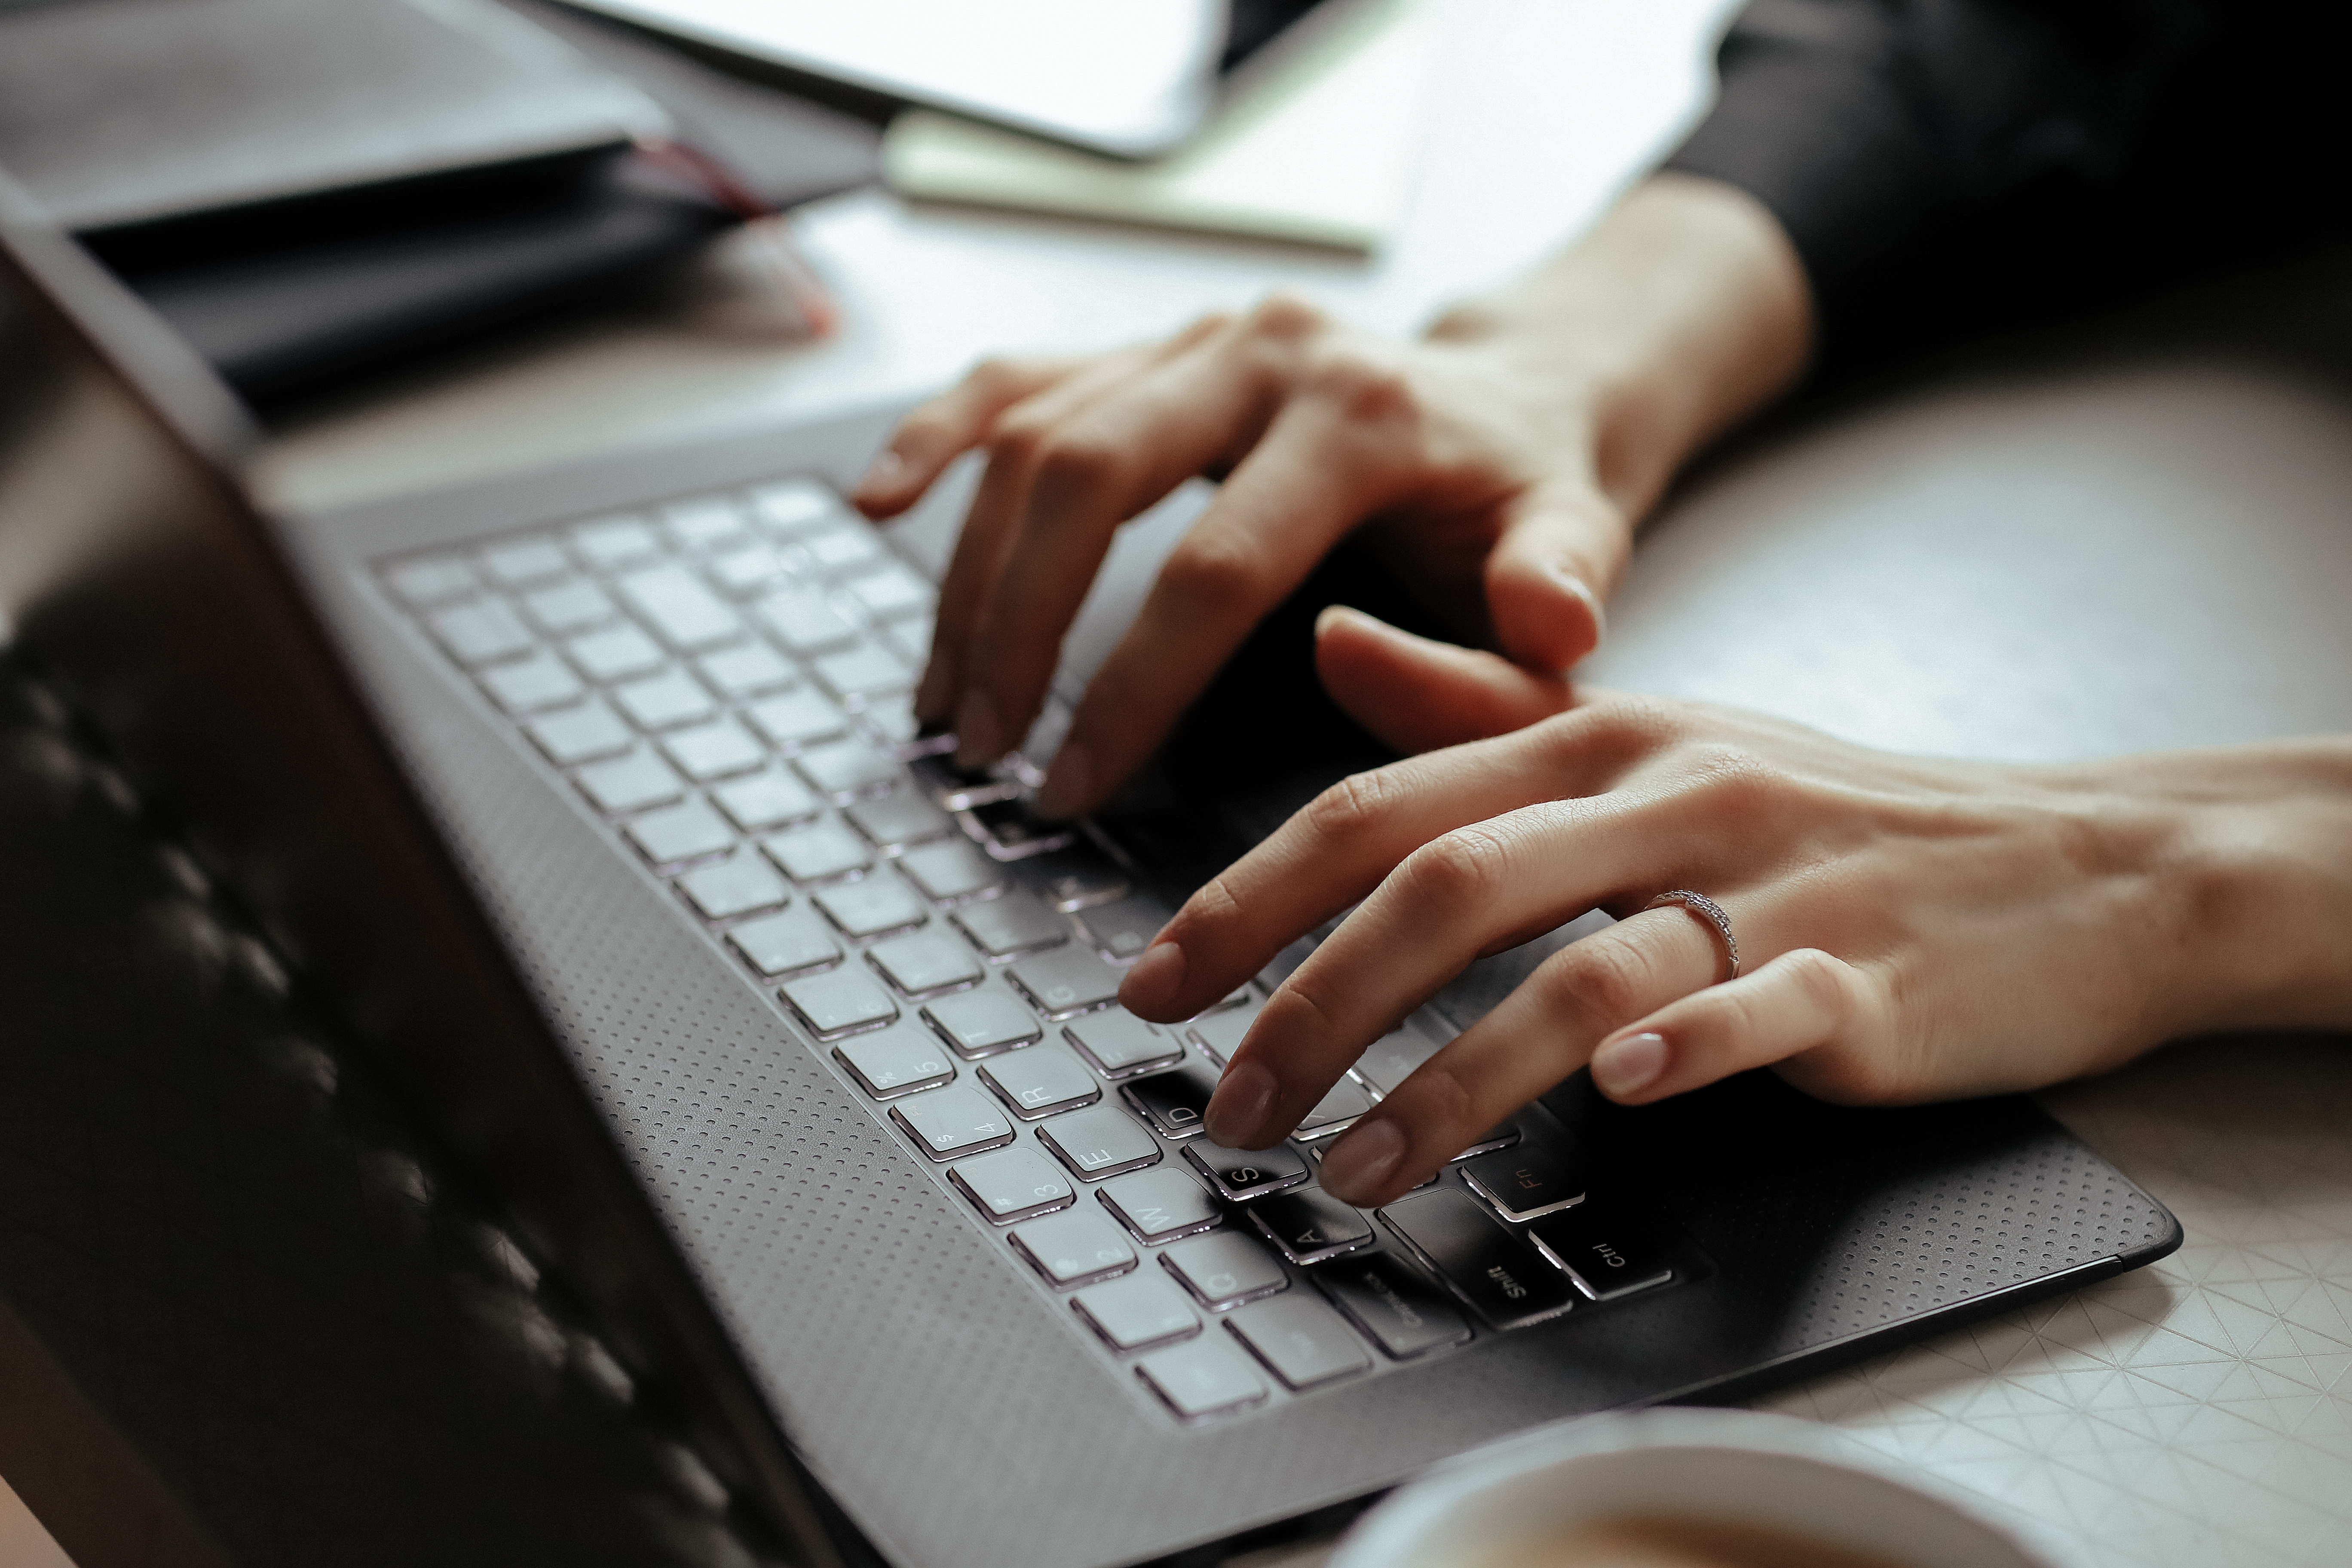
<point x="1865" y="125"/>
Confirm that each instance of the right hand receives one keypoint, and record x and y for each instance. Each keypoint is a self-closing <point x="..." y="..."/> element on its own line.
<point x="1474" y="467"/>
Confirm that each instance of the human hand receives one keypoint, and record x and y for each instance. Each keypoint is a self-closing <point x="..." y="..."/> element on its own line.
<point x="1910" y="929"/>
<point x="1499" y="465"/>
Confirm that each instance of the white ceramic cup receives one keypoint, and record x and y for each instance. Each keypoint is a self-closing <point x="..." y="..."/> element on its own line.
<point x="1733" y="1466"/>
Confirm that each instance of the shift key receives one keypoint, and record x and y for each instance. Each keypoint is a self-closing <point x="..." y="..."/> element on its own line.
<point x="1507" y="1281"/>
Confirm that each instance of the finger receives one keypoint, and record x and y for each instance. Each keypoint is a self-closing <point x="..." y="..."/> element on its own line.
<point x="1090" y="469"/>
<point x="1341" y="846"/>
<point x="1538" y="1034"/>
<point x="934" y="433"/>
<point x="1418" y="694"/>
<point x="1463" y="894"/>
<point x="1828" y="1022"/>
<point x="985" y="539"/>
<point x="1560" y="554"/>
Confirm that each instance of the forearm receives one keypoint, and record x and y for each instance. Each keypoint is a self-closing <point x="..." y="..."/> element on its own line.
<point x="1683" y="311"/>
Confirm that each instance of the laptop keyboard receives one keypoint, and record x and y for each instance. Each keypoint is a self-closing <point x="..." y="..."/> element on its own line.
<point x="724" y="683"/>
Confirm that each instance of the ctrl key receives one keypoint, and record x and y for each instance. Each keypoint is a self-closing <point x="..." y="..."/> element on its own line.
<point x="1207" y="1378"/>
<point x="1606" y="1257"/>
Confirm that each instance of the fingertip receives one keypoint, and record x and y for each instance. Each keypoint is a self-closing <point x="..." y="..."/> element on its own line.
<point x="1417" y="694"/>
<point x="1546" y="612"/>
<point x="1151" y="988"/>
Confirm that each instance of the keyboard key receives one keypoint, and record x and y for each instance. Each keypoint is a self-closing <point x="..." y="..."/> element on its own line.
<point x="805" y="621"/>
<point x="870" y="907"/>
<point x="707" y="521"/>
<point x="685" y="612"/>
<point x="925" y="964"/>
<point x="480" y="630"/>
<point x="865" y="670"/>
<point x="735" y="886"/>
<point x="747" y="670"/>
<point x="788" y="943"/>
<point x="791" y="506"/>
<point x="1120" y="931"/>
<point x="797" y="719"/>
<point x="840" y="1002"/>
<point x="1121" y="1045"/>
<point x="1137" y="1312"/>
<point x="1014" y="923"/>
<point x="1225" y="1269"/>
<point x="1220" y="1033"/>
<point x="1077" y="877"/>
<point x="1160" y="1204"/>
<point x="983" y="1022"/>
<point x="1502" y="1135"/>
<point x="910" y="634"/>
<point x="954" y="1122"/>
<point x="1391" y="1059"/>
<point x="568" y="608"/>
<point x="520" y="561"/>
<point x="767" y="800"/>
<point x="959" y="788"/>
<point x="750" y="569"/>
<point x="613" y="654"/>
<point x="1605" y="1253"/>
<point x="1210" y="1377"/>
<point x="529" y="685"/>
<point x="1062" y="984"/>
<point x="891" y="590"/>
<point x="714" y="751"/>
<point x="1527" y="1182"/>
<point x="1310" y="1226"/>
<point x="1009" y="830"/>
<point x="615" y="541"/>
<point x="1303" y="1341"/>
<point x="948" y="873"/>
<point x="430" y="580"/>
<point x="1174" y="1102"/>
<point x="629" y="784"/>
<point x="1336" y="1111"/>
<point x="898" y="820"/>
<point x="1014" y="1184"/>
<point x="1403" y="1313"/>
<point x="581" y="734"/>
<point x="846" y="768"/>
<point x="1239" y="1174"/>
<point x="1507" y="1280"/>
<point x="839" y="549"/>
<point x="1074" y="1247"/>
<point x="894" y="1061"/>
<point x="687" y="832"/>
<point x="1043" y="1081"/>
<point x="818" y="853"/>
<point x="665" y="700"/>
<point x="1101" y="1141"/>
<point x="889" y="718"/>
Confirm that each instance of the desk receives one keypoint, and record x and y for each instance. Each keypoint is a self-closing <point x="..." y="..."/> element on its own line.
<point x="2025" y="562"/>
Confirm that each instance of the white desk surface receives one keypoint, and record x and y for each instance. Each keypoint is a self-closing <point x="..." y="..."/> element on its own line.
<point x="2057" y="565"/>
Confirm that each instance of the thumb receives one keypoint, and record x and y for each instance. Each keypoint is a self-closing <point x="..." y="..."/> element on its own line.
<point x="1419" y="695"/>
<point x="1561" y="552"/>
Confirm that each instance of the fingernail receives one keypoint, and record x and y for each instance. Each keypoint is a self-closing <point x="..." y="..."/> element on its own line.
<point x="1066" y="787"/>
<point x="1359" y="1165"/>
<point x="1629" y="1066"/>
<point x="975" y="726"/>
<point x="1152" y="983"/>
<point x="1238" y="1108"/>
<point x="883" y="471"/>
<point x="1583" y="590"/>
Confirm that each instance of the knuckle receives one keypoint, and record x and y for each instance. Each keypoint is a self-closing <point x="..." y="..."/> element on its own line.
<point x="1019" y="436"/>
<point x="1364" y="384"/>
<point x="1350" y="806"/>
<point x="1210" y="574"/>
<point x="1610" y="980"/>
<point x="1463" y="869"/>
<point x="1070" y="460"/>
<point x="1285" y="317"/>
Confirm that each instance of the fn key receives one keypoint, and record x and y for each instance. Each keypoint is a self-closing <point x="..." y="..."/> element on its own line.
<point x="1505" y="1279"/>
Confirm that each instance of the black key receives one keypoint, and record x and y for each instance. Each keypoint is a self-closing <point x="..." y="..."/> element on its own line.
<point x="1077" y="877"/>
<point x="1065" y="983"/>
<point x="1502" y="1135"/>
<point x="961" y="789"/>
<point x="1507" y="1281"/>
<point x="1009" y="830"/>
<point x="1602" y="1252"/>
<point x="1303" y="1340"/>
<point x="1174" y="1102"/>
<point x="1243" y="1174"/>
<point x="1525" y="1182"/>
<point x="1309" y="1225"/>
<point x="1404" y="1314"/>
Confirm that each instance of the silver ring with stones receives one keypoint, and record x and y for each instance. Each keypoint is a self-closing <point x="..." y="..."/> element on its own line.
<point x="1710" y="912"/>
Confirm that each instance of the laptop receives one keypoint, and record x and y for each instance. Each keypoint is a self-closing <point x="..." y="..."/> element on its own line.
<point x="590" y="800"/>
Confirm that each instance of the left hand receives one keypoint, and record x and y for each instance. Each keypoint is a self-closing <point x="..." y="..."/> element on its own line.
<point x="1910" y="929"/>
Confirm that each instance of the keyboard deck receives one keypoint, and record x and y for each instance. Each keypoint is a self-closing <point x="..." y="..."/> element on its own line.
<point x="723" y="683"/>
